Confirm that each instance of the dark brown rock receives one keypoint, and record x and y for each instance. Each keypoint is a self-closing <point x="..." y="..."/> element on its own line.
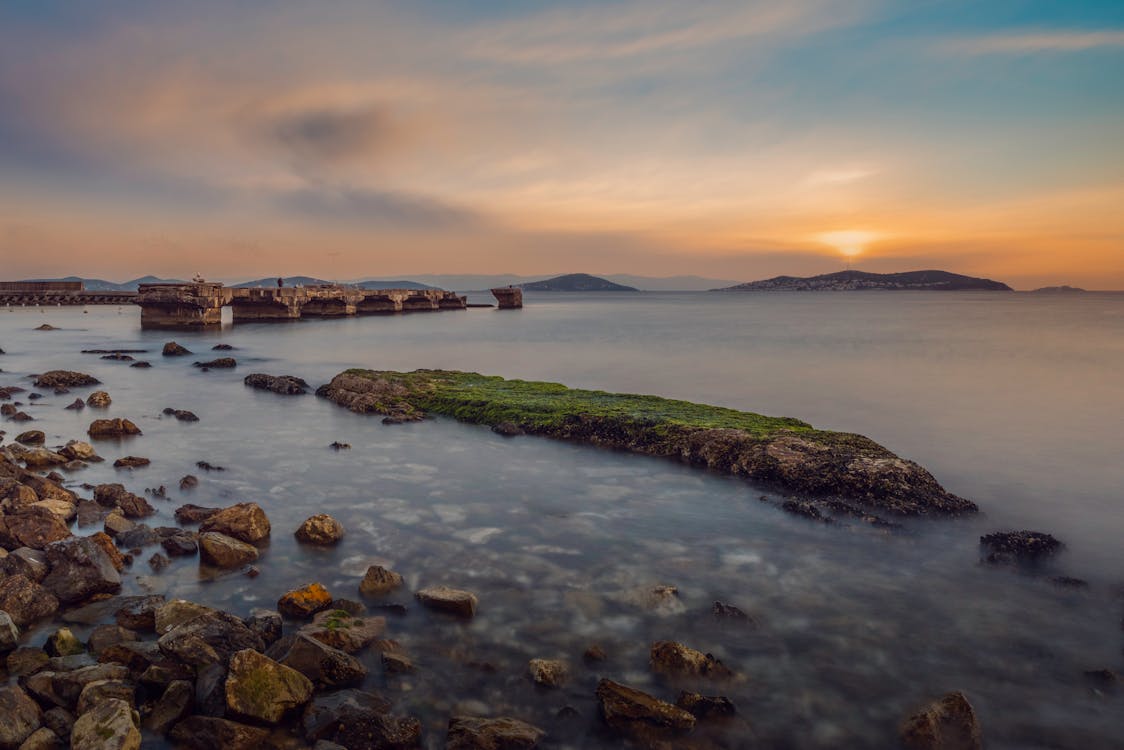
<point x="472" y="733"/>
<point x="189" y="513"/>
<point x="188" y="482"/>
<point x="131" y="462"/>
<point x="98" y="400"/>
<point x="210" y="638"/>
<point x="174" y="705"/>
<point x="285" y="385"/>
<point x="1028" y="547"/>
<point x="357" y="720"/>
<point x="326" y="666"/>
<point x="639" y="715"/>
<point x="671" y="658"/>
<point x="946" y="724"/>
<point x="116" y="496"/>
<point x="26" y="601"/>
<point x="65" y="379"/>
<point x="379" y="581"/>
<point x="33" y="527"/>
<point x="706" y="706"/>
<point x="31" y="437"/>
<point x="21" y="716"/>
<point x="446" y="599"/>
<point x="246" y="522"/>
<point x="320" y="529"/>
<point x="210" y="732"/>
<point x="80" y="568"/>
<point x="112" y="428"/>
<point x="172" y="349"/>
<point x="220" y="363"/>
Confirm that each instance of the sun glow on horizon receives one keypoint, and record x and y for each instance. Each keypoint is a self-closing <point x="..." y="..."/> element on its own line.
<point x="850" y="243"/>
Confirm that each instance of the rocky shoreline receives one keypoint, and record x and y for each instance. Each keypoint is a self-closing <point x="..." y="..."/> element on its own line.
<point x="832" y="472"/>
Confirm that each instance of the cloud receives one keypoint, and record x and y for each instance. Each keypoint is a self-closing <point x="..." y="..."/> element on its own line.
<point x="376" y="208"/>
<point x="1032" y="42"/>
<point x="828" y="177"/>
<point x="323" y="135"/>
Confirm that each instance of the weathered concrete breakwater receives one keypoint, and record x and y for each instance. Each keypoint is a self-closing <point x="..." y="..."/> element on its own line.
<point x="829" y="470"/>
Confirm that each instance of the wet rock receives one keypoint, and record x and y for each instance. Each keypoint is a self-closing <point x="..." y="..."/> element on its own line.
<point x="21" y="716"/>
<point x="31" y="437"/>
<point x="1009" y="547"/>
<point x="77" y="405"/>
<point x="639" y="715"/>
<point x="246" y="522"/>
<point x="209" y="638"/>
<point x="172" y="349"/>
<point x="472" y="733"/>
<point x="112" y="428"/>
<point x="548" y="672"/>
<point x="131" y="462"/>
<point x="183" y="415"/>
<point x="220" y="363"/>
<point x="65" y="379"/>
<point x="946" y="724"/>
<point x="207" y="466"/>
<point x="446" y="599"/>
<point x="338" y="446"/>
<point x="304" y="602"/>
<point x="267" y="624"/>
<point x="671" y="658"/>
<point x="209" y="732"/>
<point x="395" y="662"/>
<point x="59" y="720"/>
<point x="260" y="689"/>
<point x="141" y="535"/>
<point x="62" y="642"/>
<point x="158" y="562"/>
<point x="99" y="691"/>
<point x="223" y="551"/>
<point x="341" y="629"/>
<point x="508" y="429"/>
<point x="9" y="633"/>
<point x="7" y="410"/>
<point x="104" y="637"/>
<point x="594" y="654"/>
<point x="26" y="601"/>
<point x="22" y="416"/>
<point x="68" y="685"/>
<point x="326" y="666"/>
<point x="26" y="562"/>
<point x="141" y="364"/>
<point x="804" y="509"/>
<point x="80" y="568"/>
<point x="118" y="357"/>
<point x="25" y="660"/>
<point x="78" y="450"/>
<point x="662" y="600"/>
<point x="723" y="611"/>
<point x="42" y="739"/>
<point x="222" y="348"/>
<point x="320" y="529"/>
<point x="41" y="458"/>
<point x="31" y="527"/>
<point x="178" y="542"/>
<point x="174" y="705"/>
<point x="210" y="690"/>
<point x="286" y="385"/>
<point x="188" y="482"/>
<point x="189" y="513"/>
<point x="139" y="612"/>
<point x="358" y="720"/>
<point x="116" y="523"/>
<point x="111" y="725"/>
<point x="706" y="706"/>
<point x="379" y="581"/>
<point x="98" y="400"/>
<point x="46" y="327"/>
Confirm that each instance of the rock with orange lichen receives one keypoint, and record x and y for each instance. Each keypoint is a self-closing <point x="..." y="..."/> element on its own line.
<point x="304" y="602"/>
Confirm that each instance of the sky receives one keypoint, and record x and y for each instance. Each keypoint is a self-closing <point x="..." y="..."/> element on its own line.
<point x="734" y="139"/>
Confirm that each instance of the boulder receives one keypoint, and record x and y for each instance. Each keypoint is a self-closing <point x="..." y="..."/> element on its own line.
<point x="1028" y="547"/>
<point x="80" y="568"/>
<point x="41" y="458"/>
<point x="99" y="691"/>
<point x="209" y="638"/>
<point x="139" y="612"/>
<point x="111" y="725"/>
<point x="116" y="496"/>
<point x="141" y="535"/>
<point x="320" y="529"/>
<point x="67" y="686"/>
<point x="260" y="689"/>
<point x="223" y="551"/>
<point x="343" y="630"/>
<point x="59" y="720"/>
<point x="21" y="717"/>
<point x="9" y="633"/>
<point x="27" y="562"/>
<point x="304" y="602"/>
<point x="181" y="543"/>
<point x="77" y="450"/>
<point x="357" y="720"/>
<point x="172" y="349"/>
<point x="641" y="716"/>
<point x="379" y="581"/>
<point x="548" y="672"/>
<point x="26" y="661"/>
<point x="326" y="666"/>
<point x="221" y="363"/>
<point x="949" y="723"/>
<point x="22" y="416"/>
<point x="31" y="437"/>
<point x="267" y="623"/>
<point x="104" y="637"/>
<point x="26" y="601"/>
<point x="174" y="705"/>
<point x="131" y="462"/>
<point x="64" y="379"/>
<point x="210" y="732"/>
<point x="706" y="706"/>
<point x="189" y="513"/>
<point x="446" y="599"/>
<point x="675" y="659"/>
<point x="286" y="385"/>
<point x="112" y="428"/>
<point x="77" y="405"/>
<point x="33" y="527"/>
<point x="99" y="400"/>
<point x="472" y="733"/>
<point x="246" y="522"/>
<point x="42" y="739"/>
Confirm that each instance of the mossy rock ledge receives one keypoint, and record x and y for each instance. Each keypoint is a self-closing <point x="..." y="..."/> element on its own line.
<point x="779" y="451"/>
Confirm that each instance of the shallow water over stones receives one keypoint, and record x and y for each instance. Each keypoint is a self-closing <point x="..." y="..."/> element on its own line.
<point x="567" y="547"/>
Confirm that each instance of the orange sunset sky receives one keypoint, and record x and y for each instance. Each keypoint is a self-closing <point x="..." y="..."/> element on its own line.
<point x="736" y="140"/>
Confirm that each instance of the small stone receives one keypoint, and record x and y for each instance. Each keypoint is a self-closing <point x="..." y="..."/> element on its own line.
<point x="189" y="482"/>
<point x="65" y="379"/>
<point x="706" y="706"/>
<point x="379" y="581"/>
<point x="507" y="429"/>
<point x="394" y="662"/>
<point x="304" y="602"/>
<point x="595" y="654"/>
<point x="1027" y="547"/>
<point x="172" y="349"/>
<point x="338" y="446"/>
<point x="285" y="385"/>
<point x="131" y="462"/>
<point x="77" y="405"/>
<point x="189" y="513"/>
<point x="180" y="544"/>
<point x="446" y="599"/>
<point x="99" y="400"/>
<point x="320" y="529"/>
<point x="31" y="437"/>
<point x="80" y="451"/>
<point x="63" y="643"/>
<point x="267" y="624"/>
<point x="669" y="657"/>
<point x="158" y="562"/>
<point x="548" y="672"/>
<point x="220" y="363"/>
<point x="9" y="633"/>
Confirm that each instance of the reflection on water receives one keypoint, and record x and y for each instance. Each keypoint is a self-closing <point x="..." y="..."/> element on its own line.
<point x="1008" y="399"/>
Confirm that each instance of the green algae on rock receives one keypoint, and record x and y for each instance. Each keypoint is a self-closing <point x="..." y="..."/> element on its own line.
<point x="781" y="451"/>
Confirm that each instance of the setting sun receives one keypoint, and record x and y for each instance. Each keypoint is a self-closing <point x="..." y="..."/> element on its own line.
<point x="850" y="243"/>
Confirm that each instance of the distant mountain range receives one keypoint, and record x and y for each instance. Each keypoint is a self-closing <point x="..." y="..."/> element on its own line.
<point x="576" y="282"/>
<point x="845" y="281"/>
<point x="101" y="285"/>
<point x="1063" y="289"/>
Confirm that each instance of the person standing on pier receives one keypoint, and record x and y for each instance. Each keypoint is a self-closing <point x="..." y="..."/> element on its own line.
<point x="280" y="282"/>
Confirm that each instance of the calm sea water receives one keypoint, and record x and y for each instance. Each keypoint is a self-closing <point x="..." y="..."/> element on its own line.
<point x="1013" y="400"/>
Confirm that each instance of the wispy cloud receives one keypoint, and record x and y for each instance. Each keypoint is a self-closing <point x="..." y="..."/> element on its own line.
<point x="1036" y="41"/>
<point x="376" y="208"/>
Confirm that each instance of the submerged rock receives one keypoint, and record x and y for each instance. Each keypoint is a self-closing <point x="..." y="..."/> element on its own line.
<point x="31" y="437"/>
<point x="210" y="732"/>
<point x="1006" y="547"/>
<point x="77" y="405"/>
<point x="220" y="363"/>
<point x="379" y="581"/>
<point x="99" y="400"/>
<point x="324" y="665"/>
<point x="446" y="599"/>
<point x="110" y="428"/>
<point x="946" y="724"/>
<point x="548" y="672"/>
<point x="190" y="513"/>
<point x="116" y="496"/>
<point x="131" y="462"/>
<point x="172" y="349"/>
<point x="639" y="715"/>
<point x="671" y="658"/>
<point x="473" y="733"/>
<point x="286" y="385"/>
<point x="358" y="720"/>
<point x="706" y="706"/>
<point x="65" y="379"/>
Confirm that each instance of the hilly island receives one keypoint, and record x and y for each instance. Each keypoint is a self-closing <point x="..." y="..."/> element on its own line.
<point x="847" y="281"/>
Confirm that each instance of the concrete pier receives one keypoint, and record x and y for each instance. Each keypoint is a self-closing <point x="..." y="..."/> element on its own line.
<point x="509" y="297"/>
<point x="190" y="305"/>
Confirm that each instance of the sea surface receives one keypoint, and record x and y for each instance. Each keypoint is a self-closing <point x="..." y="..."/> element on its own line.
<point x="1014" y="400"/>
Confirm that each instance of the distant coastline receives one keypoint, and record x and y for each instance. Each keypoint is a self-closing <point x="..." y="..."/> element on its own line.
<point x="849" y="281"/>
